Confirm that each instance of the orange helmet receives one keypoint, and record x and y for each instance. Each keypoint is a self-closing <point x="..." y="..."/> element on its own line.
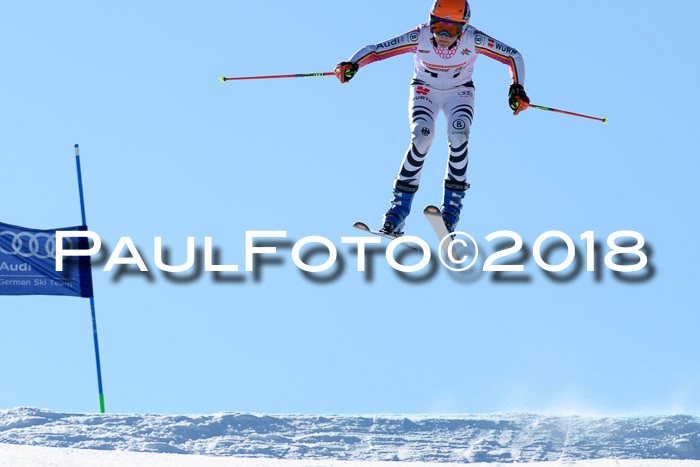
<point x="451" y="10"/>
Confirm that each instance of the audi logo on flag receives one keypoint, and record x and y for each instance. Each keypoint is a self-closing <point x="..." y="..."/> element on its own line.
<point x="40" y="245"/>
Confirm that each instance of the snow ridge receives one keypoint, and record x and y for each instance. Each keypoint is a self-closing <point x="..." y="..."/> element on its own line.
<point x="464" y="438"/>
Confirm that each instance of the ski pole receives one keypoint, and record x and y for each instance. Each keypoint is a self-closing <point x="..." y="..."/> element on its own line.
<point x="306" y="75"/>
<point x="604" y="120"/>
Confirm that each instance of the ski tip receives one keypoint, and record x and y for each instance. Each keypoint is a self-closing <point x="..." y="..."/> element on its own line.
<point x="222" y="79"/>
<point x="431" y="210"/>
<point x="361" y="226"/>
<point x="605" y="120"/>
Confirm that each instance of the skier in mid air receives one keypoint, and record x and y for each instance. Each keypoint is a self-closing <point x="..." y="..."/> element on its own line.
<point x="445" y="50"/>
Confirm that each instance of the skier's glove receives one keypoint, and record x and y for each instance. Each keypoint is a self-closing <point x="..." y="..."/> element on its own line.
<point x="517" y="99"/>
<point x="345" y="71"/>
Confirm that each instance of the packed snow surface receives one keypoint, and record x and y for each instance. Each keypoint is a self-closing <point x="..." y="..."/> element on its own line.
<point x="427" y="439"/>
<point x="37" y="456"/>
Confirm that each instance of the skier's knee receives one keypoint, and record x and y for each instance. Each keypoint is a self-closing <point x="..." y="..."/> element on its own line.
<point x="458" y="139"/>
<point x="458" y="132"/>
<point x="422" y="138"/>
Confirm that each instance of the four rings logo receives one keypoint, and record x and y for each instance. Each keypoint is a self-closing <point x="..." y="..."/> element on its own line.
<point x="40" y="245"/>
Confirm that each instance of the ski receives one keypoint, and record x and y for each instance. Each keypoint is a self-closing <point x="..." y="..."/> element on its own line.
<point x="434" y="216"/>
<point x="362" y="226"/>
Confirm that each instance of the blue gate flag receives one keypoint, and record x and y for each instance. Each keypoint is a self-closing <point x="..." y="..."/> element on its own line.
<point x="28" y="263"/>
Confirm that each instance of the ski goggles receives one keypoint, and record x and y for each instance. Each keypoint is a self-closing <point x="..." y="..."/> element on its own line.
<point x="441" y="27"/>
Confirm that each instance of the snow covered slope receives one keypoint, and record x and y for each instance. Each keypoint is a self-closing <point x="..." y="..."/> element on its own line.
<point x="37" y="456"/>
<point x="459" y="439"/>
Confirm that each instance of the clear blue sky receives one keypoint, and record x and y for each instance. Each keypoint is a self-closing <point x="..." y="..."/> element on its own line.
<point x="169" y="151"/>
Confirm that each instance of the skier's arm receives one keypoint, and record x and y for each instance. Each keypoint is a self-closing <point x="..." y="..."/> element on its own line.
<point x="487" y="45"/>
<point x="405" y="43"/>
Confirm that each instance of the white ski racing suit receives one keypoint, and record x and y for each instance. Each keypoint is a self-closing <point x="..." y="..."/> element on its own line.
<point x="442" y="81"/>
